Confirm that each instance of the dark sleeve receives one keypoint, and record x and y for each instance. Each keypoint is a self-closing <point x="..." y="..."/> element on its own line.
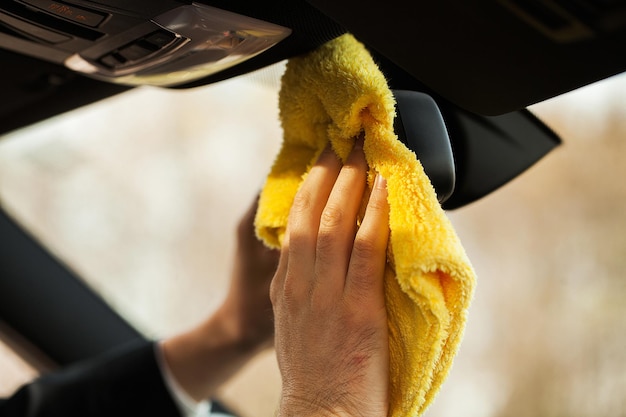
<point x="125" y="382"/>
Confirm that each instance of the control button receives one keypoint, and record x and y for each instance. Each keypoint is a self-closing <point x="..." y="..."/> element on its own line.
<point x="112" y="61"/>
<point x="68" y="11"/>
<point x="160" y="38"/>
<point x="134" y="52"/>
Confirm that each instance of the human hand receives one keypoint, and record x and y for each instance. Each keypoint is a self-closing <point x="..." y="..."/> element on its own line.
<point x="206" y="356"/>
<point x="328" y="296"/>
<point x="247" y="306"/>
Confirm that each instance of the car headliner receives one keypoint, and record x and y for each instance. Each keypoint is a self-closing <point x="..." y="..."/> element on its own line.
<point x="483" y="62"/>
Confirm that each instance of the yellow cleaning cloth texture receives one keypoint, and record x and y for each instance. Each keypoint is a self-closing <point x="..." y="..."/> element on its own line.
<point x="334" y="94"/>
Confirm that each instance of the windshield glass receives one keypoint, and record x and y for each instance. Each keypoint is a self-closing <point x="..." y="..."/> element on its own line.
<point x="140" y="195"/>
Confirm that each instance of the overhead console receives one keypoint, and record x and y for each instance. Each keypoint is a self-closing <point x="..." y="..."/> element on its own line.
<point x="157" y="42"/>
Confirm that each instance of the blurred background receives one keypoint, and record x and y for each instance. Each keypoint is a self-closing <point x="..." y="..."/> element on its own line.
<point x="140" y="195"/>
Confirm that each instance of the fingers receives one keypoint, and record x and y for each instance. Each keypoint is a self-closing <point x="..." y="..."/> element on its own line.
<point x="369" y="257"/>
<point x="322" y="236"/>
<point x="337" y="225"/>
<point x="300" y="241"/>
<point x="332" y="340"/>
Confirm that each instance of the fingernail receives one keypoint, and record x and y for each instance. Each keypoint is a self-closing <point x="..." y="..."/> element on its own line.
<point x="380" y="182"/>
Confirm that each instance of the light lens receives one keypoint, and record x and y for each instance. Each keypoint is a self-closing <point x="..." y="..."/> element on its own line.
<point x="206" y="40"/>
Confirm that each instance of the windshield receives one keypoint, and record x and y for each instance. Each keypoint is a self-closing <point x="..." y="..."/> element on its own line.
<point x="140" y="195"/>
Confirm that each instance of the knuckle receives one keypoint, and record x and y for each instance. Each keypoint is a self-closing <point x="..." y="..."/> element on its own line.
<point x="302" y="203"/>
<point x="277" y="284"/>
<point x="326" y="245"/>
<point x="294" y="293"/>
<point x="365" y="266"/>
<point x="320" y="300"/>
<point x="290" y="290"/>
<point x="364" y="281"/>
<point x="298" y="242"/>
<point x="332" y="217"/>
<point x="377" y="203"/>
<point x="363" y="287"/>
<point x="274" y="292"/>
<point x="355" y="168"/>
<point x="365" y="248"/>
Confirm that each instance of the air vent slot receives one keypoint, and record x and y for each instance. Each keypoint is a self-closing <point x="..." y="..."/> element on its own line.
<point x="48" y="21"/>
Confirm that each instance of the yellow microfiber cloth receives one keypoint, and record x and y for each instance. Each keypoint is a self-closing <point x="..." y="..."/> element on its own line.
<point x="334" y="94"/>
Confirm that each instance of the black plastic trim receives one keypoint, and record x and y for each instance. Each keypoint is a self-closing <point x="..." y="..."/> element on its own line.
<point x="49" y="305"/>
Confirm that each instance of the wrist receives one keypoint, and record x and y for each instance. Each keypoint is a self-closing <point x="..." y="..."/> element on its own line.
<point x="240" y="332"/>
<point x="205" y="357"/>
